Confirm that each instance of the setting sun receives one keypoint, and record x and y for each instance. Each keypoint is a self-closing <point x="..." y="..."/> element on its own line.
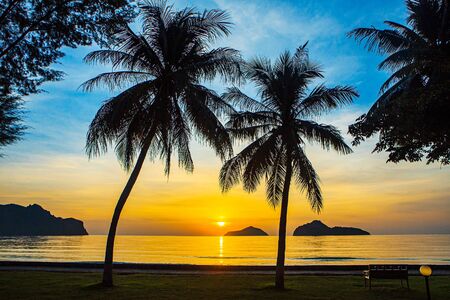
<point x="220" y="223"/>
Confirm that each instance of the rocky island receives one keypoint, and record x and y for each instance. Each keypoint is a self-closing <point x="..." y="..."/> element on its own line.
<point x="248" y="231"/>
<point x="316" y="228"/>
<point x="17" y="220"/>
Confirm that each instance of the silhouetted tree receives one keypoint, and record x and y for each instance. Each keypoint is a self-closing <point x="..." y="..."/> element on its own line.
<point x="166" y="104"/>
<point x="11" y="127"/>
<point x="31" y="37"/>
<point x="412" y="112"/>
<point x="277" y="127"/>
<point x="33" y="32"/>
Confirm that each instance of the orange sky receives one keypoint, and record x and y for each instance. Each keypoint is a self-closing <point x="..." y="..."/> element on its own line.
<point x="359" y="190"/>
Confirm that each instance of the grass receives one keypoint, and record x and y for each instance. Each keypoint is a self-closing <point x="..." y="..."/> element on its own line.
<point x="50" y="285"/>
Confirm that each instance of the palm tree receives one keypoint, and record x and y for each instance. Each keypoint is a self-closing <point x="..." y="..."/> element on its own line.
<point x="411" y="113"/>
<point x="166" y="103"/>
<point x="277" y="128"/>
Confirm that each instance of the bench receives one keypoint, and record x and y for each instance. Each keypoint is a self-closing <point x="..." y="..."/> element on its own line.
<point x="386" y="272"/>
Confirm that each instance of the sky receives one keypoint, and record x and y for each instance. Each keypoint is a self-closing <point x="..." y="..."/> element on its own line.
<point x="49" y="166"/>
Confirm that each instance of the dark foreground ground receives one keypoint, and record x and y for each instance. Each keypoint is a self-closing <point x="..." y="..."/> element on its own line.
<point x="56" y="285"/>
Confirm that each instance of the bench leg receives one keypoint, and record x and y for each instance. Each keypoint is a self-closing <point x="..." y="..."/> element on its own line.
<point x="401" y="282"/>
<point x="407" y="283"/>
<point x="370" y="283"/>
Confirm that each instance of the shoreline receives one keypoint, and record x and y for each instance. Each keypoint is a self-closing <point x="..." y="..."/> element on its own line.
<point x="186" y="269"/>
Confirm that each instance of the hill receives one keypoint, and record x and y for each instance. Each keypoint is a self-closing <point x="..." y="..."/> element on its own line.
<point x="17" y="220"/>
<point x="248" y="231"/>
<point x="316" y="228"/>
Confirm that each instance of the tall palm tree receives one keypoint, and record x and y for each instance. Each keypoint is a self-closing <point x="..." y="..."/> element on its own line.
<point x="277" y="128"/>
<point x="164" y="102"/>
<point x="411" y="112"/>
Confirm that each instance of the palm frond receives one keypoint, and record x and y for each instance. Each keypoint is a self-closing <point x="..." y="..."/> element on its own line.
<point x="181" y="135"/>
<point x="328" y="136"/>
<point x="381" y="41"/>
<point x="259" y="70"/>
<point x="250" y="132"/>
<point x="401" y="58"/>
<point x="138" y="46"/>
<point x="212" y="24"/>
<point x="115" y="80"/>
<point x="245" y="119"/>
<point x="225" y="62"/>
<point x="275" y="180"/>
<point x="261" y="161"/>
<point x="301" y="55"/>
<point x="214" y="102"/>
<point x="118" y="59"/>
<point x="399" y="75"/>
<point x="207" y="125"/>
<point x="231" y="171"/>
<point x="114" y="116"/>
<point x="307" y="179"/>
<point x="408" y="33"/>
<point x="322" y="99"/>
<point x="241" y="101"/>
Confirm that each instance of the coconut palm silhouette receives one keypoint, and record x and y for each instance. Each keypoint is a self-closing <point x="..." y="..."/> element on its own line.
<point x="277" y="128"/>
<point x="166" y="103"/>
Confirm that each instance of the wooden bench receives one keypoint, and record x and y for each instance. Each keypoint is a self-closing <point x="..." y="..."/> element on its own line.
<point x="386" y="272"/>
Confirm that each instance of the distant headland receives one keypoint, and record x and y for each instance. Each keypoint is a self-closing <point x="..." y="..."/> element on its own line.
<point x="316" y="228"/>
<point x="248" y="231"/>
<point x="17" y="220"/>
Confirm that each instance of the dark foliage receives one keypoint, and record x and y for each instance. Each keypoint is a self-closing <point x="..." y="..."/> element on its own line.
<point x="33" y="32"/>
<point x="11" y="127"/>
<point x="412" y="112"/>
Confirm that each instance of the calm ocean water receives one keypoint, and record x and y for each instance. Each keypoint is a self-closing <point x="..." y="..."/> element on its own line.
<point x="408" y="249"/>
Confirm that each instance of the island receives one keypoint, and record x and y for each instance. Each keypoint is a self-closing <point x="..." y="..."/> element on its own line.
<point x="317" y="228"/>
<point x="33" y="220"/>
<point x="248" y="231"/>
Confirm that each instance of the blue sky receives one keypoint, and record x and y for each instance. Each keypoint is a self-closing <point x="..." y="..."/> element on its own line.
<point x="49" y="166"/>
<point x="261" y="28"/>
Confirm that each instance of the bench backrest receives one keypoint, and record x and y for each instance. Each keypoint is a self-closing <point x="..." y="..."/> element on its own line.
<point x="388" y="271"/>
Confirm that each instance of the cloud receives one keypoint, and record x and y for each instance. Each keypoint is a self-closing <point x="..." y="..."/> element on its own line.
<point x="263" y="28"/>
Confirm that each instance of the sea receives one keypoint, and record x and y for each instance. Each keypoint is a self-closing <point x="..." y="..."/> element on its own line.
<point x="233" y="250"/>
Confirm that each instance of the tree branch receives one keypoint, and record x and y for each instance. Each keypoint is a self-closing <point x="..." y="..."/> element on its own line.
<point x="28" y="30"/>
<point x="8" y="9"/>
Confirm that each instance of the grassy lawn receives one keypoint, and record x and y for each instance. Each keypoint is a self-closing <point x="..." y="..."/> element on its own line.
<point x="48" y="285"/>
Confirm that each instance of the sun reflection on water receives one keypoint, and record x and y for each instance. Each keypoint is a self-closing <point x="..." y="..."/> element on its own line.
<point x="221" y="249"/>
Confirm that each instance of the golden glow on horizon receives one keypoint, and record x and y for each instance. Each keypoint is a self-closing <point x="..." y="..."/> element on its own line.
<point x="357" y="190"/>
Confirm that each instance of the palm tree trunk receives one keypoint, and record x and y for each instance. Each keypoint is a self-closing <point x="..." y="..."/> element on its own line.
<point x="279" y="277"/>
<point x="108" y="266"/>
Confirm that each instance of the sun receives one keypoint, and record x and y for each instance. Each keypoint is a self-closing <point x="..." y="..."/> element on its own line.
<point x="220" y="223"/>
